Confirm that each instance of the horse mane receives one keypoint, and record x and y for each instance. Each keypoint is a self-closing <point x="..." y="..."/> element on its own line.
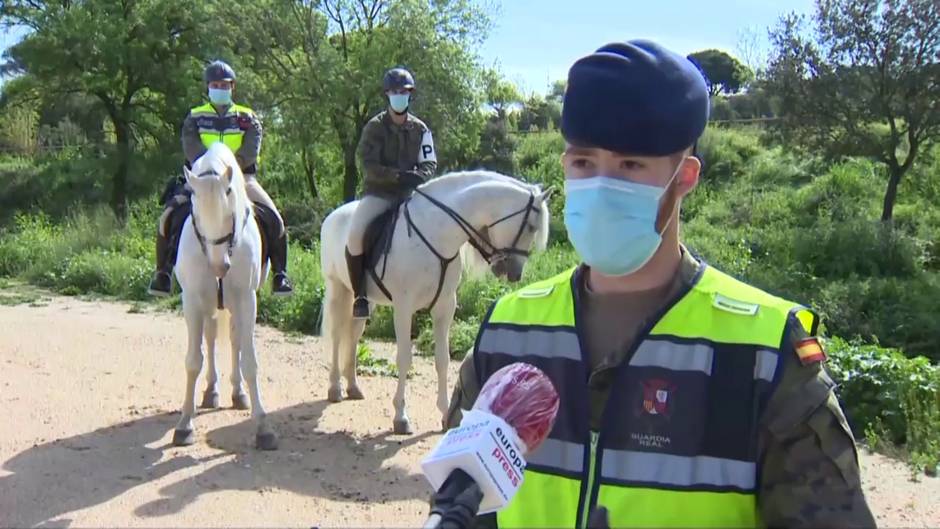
<point x="473" y="262"/>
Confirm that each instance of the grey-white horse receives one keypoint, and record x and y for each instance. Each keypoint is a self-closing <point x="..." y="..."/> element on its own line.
<point x="484" y="219"/>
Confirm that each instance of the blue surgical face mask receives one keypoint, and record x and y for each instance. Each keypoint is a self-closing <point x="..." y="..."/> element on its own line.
<point x="399" y="102"/>
<point x="612" y="222"/>
<point x="220" y="96"/>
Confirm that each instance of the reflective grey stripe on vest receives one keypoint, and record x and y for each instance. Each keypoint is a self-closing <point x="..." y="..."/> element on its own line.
<point x="558" y="454"/>
<point x="550" y="344"/>
<point x="675" y="356"/>
<point x="766" y="365"/>
<point x="695" y="357"/>
<point x="682" y="471"/>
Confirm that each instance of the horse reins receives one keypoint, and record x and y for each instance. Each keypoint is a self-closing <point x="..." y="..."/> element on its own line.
<point x="476" y="239"/>
<point x="231" y="239"/>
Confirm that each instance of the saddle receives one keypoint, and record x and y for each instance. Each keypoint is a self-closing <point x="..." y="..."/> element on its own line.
<point x="377" y="243"/>
<point x="269" y="226"/>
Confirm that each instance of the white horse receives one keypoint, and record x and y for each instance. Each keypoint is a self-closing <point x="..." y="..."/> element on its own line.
<point x="219" y="270"/>
<point x="483" y="217"/>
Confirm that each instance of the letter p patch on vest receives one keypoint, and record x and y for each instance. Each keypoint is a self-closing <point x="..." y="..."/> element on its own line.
<point x="810" y="351"/>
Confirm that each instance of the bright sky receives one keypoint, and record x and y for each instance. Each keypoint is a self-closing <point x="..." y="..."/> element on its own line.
<point x="534" y="42"/>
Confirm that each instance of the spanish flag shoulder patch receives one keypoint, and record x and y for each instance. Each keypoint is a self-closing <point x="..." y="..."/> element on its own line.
<point x="810" y="351"/>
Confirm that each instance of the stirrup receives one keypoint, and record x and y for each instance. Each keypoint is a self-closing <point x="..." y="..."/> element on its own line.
<point x="155" y="288"/>
<point x="282" y="288"/>
<point x="361" y="309"/>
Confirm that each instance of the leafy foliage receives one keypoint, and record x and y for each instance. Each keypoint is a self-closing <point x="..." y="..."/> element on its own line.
<point x="724" y="73"/>
<point x="884" y="391"/>
<point x="865" y="84"/>
<point x="136" y="65"/>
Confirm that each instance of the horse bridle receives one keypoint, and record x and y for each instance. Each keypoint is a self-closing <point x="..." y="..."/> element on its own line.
<point x="229" y="239"/>
<point x="478" y="240"/>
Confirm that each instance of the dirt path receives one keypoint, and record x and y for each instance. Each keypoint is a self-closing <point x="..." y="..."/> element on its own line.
<point x="89" y="394"/>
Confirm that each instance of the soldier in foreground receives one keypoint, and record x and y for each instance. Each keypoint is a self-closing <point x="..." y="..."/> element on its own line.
<point x="688" y="398"/>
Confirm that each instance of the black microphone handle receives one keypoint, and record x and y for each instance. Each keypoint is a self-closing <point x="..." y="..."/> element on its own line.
<point x="444" y="499"/>
<point x="464" y="510"/>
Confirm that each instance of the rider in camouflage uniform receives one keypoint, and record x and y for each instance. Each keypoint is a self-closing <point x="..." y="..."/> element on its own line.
<point x="397" y="155"/>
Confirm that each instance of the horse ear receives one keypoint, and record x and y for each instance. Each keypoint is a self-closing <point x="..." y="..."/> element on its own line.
<point x="547" y="194"/>
<point x="227" y="175"/>
<point x="189" y="176"/>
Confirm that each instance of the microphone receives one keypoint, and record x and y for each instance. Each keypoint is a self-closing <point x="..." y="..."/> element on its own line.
<point x="477" y="467"/>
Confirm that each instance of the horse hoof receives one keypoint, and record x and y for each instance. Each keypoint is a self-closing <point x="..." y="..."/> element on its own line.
<point x="210" y="400"/>
<point x="402" y="427"/>
<point x="266" y="441"/>
<point x="183" y="437"/>
<point x="335" y="395"/>
<point x="354" y="393"/>
<point x="240" y="401"/>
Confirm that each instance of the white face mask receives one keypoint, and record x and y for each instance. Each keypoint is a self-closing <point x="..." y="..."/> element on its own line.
<point x="220" y="96"/>
<point x="399" y="102"/>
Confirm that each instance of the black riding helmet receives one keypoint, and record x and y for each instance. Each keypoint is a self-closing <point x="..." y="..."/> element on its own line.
<point x="398" y="78"/>
<point x="218" y="71"/>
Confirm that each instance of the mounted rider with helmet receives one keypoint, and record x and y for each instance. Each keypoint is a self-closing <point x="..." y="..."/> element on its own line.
<point x="397" y="155"/>
<point x="240" y="128"/>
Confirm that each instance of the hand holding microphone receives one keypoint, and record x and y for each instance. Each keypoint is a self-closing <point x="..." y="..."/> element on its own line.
<point x="477" y="467"/>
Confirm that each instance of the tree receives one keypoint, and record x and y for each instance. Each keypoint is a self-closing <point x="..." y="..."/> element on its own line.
<point x="497" y="145"/>
<point x="723" y="72"/>
<point x="326" y="61"/>
<point x="866" y="83"/>
<point x="540" y="114"/>
<point x="501" y="94"/>
<point x="557" y="94"/>
<point x="134" y="57"/>
<point x="751" y="48"/>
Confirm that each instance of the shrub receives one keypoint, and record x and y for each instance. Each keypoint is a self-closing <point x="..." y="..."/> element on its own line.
<point x="881" y="389"/>
<point x="725" y="154"/>
<point x="463" y="334"/>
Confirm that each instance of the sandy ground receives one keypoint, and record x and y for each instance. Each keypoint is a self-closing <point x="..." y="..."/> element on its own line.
<point x="89" y="395"/>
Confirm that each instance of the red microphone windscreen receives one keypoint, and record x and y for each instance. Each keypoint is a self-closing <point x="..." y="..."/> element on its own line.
<point x="523" y="396"/>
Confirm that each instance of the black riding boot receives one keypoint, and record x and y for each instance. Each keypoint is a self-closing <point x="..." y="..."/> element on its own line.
<point x="161" y="283"/>
<point x="281" y="284"/>
<point x="357" y="278"/>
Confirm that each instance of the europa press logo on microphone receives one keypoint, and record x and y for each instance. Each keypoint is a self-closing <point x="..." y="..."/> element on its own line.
<point x="505" y="453"/>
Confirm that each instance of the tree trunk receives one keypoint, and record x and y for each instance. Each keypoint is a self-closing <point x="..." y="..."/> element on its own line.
<point x="351" y="176"/>
<point x="350" y="146"/>
<point x="891" y="195"/>
<point x="309" y="172"/>
<point x="119" y="185"/>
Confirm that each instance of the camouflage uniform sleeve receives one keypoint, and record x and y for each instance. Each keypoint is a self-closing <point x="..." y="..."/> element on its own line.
<point x="427" y="156"/>
<point x="247" y="154"/>
<point x="465" y="392"/>
<point x="809" y="474"/>
<point x="192" y="143"/>
<point x="370" y="149"/>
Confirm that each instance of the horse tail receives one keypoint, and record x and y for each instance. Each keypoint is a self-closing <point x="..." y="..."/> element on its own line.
<point x="473" y="262"/>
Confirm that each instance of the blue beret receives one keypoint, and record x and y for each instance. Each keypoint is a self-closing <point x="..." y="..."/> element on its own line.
<point x="635" y="97"/>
